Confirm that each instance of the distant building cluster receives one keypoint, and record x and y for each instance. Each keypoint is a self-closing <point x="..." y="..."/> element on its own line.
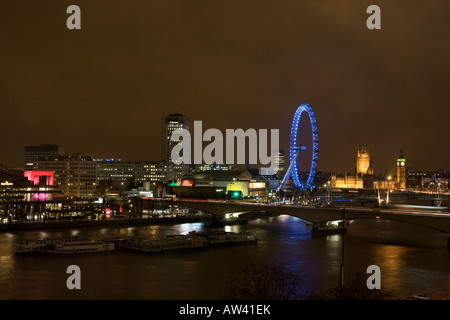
<point x="48" y="170"/>
<point x="82" y="175"/>
<point x="55" y="185"/>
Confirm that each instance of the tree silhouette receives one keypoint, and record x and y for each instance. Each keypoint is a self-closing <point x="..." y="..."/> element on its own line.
<point x="267" y="282"/>
<point x="276" y="282"/>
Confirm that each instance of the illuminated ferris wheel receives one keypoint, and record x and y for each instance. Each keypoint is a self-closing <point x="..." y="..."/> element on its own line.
<point x="294" y="150"/>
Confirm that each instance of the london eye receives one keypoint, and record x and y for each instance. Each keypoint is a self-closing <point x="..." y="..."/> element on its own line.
<point x="295" y="148"/>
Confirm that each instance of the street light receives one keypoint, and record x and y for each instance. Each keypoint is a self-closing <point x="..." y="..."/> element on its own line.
<point x="341" y="274"/>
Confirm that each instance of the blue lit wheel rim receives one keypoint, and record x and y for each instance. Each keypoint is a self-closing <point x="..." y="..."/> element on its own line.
<point x="293" y="147"/>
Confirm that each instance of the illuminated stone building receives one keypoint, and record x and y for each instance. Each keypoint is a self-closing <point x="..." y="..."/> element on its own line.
<point x="363" y="162"/>
<point x="347" y="180"/>
<point x="401" y="171"/>
<point x="363" y="176"/>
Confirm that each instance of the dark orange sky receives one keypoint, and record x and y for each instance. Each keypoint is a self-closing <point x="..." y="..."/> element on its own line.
<point x="232" y="64"/>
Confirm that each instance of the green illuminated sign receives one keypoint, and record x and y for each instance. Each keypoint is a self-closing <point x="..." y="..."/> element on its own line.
<point x="235" y="194"/>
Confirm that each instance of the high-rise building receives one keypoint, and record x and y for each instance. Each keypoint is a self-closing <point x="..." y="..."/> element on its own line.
<point x="279" y="159"/>
<point x="363" y="161"/>
<point x="173" y="122"/>
<point x="75" y="175"/>
<point x="32" y="152"/>
<point x="401" y="171"/>
<point x="278" y="162"/>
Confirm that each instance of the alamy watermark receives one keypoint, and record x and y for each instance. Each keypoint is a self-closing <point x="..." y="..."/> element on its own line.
<point x="74" y="280"/>
<point x="74" y="20"/>
<point x="374" y="280"/>
<point x="258" y="150"/>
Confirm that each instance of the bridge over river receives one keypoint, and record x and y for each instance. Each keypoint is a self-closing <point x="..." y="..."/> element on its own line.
<point x="426" y="217"/>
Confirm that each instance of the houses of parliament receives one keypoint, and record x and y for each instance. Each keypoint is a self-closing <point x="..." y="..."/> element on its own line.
<point x="364" y="177"/>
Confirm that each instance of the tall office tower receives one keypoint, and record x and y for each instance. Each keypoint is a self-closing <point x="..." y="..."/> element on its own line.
<point x="279" y="162"/>
<point x="173" y="122"/>
<point x="363" y="161"/>
<point x="401" y="171"/>
<point x="32" y="152"/>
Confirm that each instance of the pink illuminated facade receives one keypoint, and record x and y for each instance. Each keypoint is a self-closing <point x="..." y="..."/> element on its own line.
<point x="35" y="177"/>
<point x="41" y="197"/>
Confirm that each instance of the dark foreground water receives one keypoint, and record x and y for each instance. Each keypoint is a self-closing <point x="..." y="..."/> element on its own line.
<point x="412" y="260"/>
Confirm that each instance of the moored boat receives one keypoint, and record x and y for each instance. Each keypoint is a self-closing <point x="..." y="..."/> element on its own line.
<point x="174" y="243"/>
<point x="218" y="238"/>
<point x="41" y="245"/>
<point x="86" y="246"/>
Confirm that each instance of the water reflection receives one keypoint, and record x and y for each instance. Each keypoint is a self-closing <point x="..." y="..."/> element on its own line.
<point x="204" y="274"/>
<point x="152" y="232"/>
<point x="392" y="264"/>
<point x="334" y="238"/>
<point x="75" y="233"/>
<point x="7" y="264"/>
<point x="188" y="227"/>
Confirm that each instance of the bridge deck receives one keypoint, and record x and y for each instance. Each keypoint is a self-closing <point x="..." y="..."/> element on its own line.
<point x="435" y="220"/>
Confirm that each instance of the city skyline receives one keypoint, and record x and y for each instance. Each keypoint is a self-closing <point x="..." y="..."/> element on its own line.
<point x="104" y="89"/>
<point x="162" y="160"/>
<point x="142" y="141"/>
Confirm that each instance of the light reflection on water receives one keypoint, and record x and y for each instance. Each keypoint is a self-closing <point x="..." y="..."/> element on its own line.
<point x="412" y="260"/>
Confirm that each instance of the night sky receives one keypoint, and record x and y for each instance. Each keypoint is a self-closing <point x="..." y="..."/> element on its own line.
<point x="103" y="90"/>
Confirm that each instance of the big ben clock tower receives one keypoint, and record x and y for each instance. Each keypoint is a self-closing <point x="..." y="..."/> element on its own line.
<point x="401" y="171"/>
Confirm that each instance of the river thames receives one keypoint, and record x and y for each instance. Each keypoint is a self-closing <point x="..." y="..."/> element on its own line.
<point x="412" y="260"/>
